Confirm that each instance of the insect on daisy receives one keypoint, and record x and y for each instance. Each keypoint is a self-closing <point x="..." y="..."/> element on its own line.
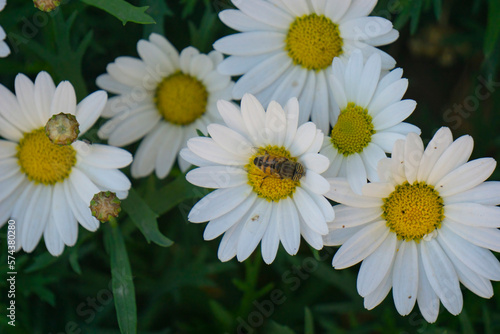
<point x="425" y="228"/>
<point x="46" y="187"/>
<point x="163" y="98"/>
<point x="370" y="120"/>
<point x="4" y="48"/>
<point x="285" y="49"/>
<point x="266" y="174"/>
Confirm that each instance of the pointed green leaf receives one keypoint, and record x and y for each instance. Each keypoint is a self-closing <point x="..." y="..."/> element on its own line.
<point x="309" y="321"/>
<point x="121" y="281"/>
<point x="275" y="328"/>
<point x="493" y="28"/>
<point x="122" y="10"/>
<point x="144" y="218"/>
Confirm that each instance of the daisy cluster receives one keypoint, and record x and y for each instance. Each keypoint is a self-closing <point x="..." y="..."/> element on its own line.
<point x="316" y="148"/>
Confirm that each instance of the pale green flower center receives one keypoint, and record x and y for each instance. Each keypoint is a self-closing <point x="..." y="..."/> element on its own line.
<point x="353" y="130"/>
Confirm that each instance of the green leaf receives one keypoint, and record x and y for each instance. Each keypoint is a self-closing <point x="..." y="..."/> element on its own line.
<point x="416" y="9"/>
<point x="275" y="328"/>
<point x="158" y="10"/>
<point x="73" y="260"/>
<point x="221" y="314"/>
<point x="492" y="28"/>
<point x="309" y="321"/>
<point x="171" y="195"/>
<point x="438" y="8"/>
<point x="41" y="261"/>
<point x="203" y="37"/>
<point x="144" y="218"/>
<point x="121" y="281"/>
<point x="122" y="10"/>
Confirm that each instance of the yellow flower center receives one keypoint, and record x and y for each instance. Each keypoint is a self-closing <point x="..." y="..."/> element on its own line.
<point x="274" y="173"/>
<point x="313" y="41"/>
<point x="353" y="130"/>
<point x="43" y="161"/>
<point x="413" y="210"/>
<point x="181" y="98"/>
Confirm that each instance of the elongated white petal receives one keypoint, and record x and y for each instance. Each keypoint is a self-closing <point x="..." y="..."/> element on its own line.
<point x="376" y="266"/>
<point x="405" y="277"/>
<point x="361" y="245"/>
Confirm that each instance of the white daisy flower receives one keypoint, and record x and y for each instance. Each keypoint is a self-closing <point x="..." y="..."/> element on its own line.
<point x="370" y="119"/>
<point x="4" y="48"/>
<point x="266" y="174"/>
<point x="285" y="49"/>
<point x="164" y="97"/>
<point x="426" y="227"/>
<point x="46" y="188"/>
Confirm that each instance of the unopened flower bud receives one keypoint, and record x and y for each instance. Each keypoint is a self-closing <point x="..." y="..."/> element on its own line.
<point x="62" y="129"/>
<point x="105" y="206"/>
<point x="46" y="5"/>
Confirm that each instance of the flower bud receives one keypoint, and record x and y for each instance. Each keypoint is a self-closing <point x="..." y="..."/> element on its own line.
<point x="105" y="206"/>
<point x="62" y="129"/>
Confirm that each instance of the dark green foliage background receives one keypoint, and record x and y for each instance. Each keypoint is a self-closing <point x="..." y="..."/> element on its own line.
<point x="448" y="49"/>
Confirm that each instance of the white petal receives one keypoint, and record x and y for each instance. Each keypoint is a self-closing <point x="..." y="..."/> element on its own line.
<point x="341" y="192"/>
<point x="454" y="156"/>
<point x="25" y="93"/>
<point x="428" y="301"/>
<point x="487" y="193"/>
<point x="473" y="214"/>
<point x="414" y="149"/>
<point x="89" y="110"/>
<point x="221" y="224"/>
<point x="218" y="202"/>
<point x="378" y="295"/>
<point x="441" y="275"/>
<point x="255" y="225"/>
<point x="320" y="112"/>
<point x="102" y="156"/>
<point x="145" y="156"/>
<point x="44" y="93"/>
<point x="239" y="21"/>
<point x="228" y="245"/>
<point x="207" y="149"/>
<point x="394" y="114"/>
<point x="479" y="259"/>
<point x="134" y="128"/>
<point x="275" y="124"/>
<point x="315" y="162"/>
<point x="376" y="266"/>
<point x="64" y="220"/>
<point x="64" y="99"/>
<point x="356" y="172"/>
<point x="371" y="155"/>
<point x="292" y="118"/>
<point x="438" y="144"/>
<point x="405" y="277"/>
<point x="466" y="176"/>
<point x="53" y="241"/>
<point x="79" y="208"/>
<point x="271" y="240"/>
<point x="391" y="94"/>
<point x="217" y="177"/>
<point x="368" y="81"/>
<point x="289" y="225"/>
<point x="108" y="179"/>
<point x="262" y="75"/>
<point x="387" y="140"/>
<point x="335" y="9"/>
<point x="348" y="216"/>
<point x="306" y="133"/>
<point x="480" y="236"/>
<point x="309" y="211"/>
<point x="266" y="13"/>
<point x="315" y="183"/>
<point x="250" y="43"/>
<point x="378" y="189"/>
<point x="361" y="245"/>
<point x="230" y="140"/>
<point x="353" y="72"/>
<point x="36" y="217"/>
